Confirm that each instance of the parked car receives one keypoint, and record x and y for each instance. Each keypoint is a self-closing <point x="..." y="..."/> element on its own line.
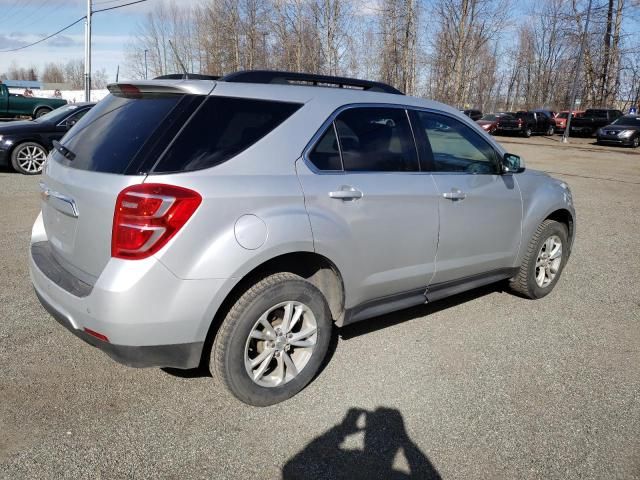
<point x="528" y="123"/>
<point x="561" y="119"/>
<point x="490" y="122"/>
<point x="473" y="114"/>
<point x="593" y="119"/>
<point x="234" y="223"/>
<point x="13" y="105"/>
<point x="24" y="145"/>
<point x="624" y="131"/>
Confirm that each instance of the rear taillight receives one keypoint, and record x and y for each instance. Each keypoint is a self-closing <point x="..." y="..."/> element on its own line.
<point x="147" y="216"/>
<point x="519" y="123"/>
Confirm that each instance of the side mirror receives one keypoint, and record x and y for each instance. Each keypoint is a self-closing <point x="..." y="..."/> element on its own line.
<point x="512" y="163"/>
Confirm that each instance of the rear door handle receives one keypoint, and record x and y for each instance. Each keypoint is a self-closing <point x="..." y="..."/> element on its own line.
<point x="346" y="192"/>
<point x="455" y="194"/>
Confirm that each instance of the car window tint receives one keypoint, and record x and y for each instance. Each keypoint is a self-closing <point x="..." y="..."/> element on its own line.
<point x="222" y="128"/>
<point x="376" y="139"/>
<point x="326" y="155"/>
<point x="455" y="146"/>
<point x="76" y="116"/>
<point x="112" y="134"/>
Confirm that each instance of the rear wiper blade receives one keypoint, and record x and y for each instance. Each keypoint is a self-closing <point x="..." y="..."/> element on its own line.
<point x="64" y="150"/>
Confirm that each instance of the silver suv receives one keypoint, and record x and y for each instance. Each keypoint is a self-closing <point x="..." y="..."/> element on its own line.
<point x="232" y="223"/>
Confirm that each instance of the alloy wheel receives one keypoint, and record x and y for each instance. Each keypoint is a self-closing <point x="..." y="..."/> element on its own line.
<point x="31" y="158"/>
<point x="280" y="344"/>
<point x="548" y="261"/>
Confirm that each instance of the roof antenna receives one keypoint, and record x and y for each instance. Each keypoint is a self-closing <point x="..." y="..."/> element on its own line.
<point x="186" y="75"/>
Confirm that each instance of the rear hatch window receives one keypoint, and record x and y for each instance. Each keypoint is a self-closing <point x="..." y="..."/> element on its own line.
<point x="118" y="132"/>
<point x="168" y="133"/>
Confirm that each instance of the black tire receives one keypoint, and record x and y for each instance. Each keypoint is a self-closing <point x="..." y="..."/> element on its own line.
<point x="228" y="356"/>
<point x="524" y="282"/>
<point x="20" y="166"/>
<point x="550" y="131"/>
<point x="527" y="132"/>
<point x="635" y="143"/>
<point x="41" y="111"/>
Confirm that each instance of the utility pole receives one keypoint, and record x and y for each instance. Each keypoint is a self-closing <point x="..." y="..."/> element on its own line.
<point x="565" y="136"/>
<point x="145" y="64"/>
<point x="87" y="54"/>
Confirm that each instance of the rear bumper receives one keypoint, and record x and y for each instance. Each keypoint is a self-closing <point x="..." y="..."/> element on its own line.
<point x="151" y="317"/>
<point x="182" y="355"/>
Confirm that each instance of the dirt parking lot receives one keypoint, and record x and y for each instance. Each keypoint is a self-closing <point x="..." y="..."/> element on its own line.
<point x="482" y="385"/>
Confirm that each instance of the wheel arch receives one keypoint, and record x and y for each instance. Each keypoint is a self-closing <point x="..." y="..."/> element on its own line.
<point x="564" y="216"/>
<point x="313" y="267"/>
<point x="41" y="106"/>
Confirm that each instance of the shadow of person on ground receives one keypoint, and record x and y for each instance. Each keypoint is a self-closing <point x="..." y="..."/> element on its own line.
<point x="365" y="445"/>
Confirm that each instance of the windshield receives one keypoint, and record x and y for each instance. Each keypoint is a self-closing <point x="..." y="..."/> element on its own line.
<point x="563" y="115"/>
<point x="490" y="117"/>
<point x="629" y="120"/>
<point x="58" y="114"/>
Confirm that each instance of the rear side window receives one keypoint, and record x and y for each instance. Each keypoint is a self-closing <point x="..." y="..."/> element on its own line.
<point x="376" y="139"/>
<point x="326" y="154"/>
<point x="111" y="135"/>
<point x="220" y="129"/>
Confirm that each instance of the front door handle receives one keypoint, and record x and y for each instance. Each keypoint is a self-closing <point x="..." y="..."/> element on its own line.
<point x="346" y="192"/>
<point x="455" y="194"/>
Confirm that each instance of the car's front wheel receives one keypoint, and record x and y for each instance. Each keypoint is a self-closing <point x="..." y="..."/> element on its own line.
<point x="527" y="132"/>
<point x="635" y="143"/>
<point x="28" y="158"/>
<point x="273" y="340"/>
<point x="544" y="260"/>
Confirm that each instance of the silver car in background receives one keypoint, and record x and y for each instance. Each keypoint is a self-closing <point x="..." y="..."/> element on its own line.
<point x="232" y="223"/>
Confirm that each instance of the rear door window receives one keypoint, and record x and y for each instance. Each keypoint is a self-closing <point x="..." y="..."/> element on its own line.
<point x="376" y="140"/>
<point x="220" y="129"/>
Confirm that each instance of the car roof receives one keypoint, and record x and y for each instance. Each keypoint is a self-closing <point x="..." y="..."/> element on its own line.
<point x="330" y="96"/>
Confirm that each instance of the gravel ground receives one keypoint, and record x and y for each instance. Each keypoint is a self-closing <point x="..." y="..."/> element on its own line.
<point x="482" y="385"/>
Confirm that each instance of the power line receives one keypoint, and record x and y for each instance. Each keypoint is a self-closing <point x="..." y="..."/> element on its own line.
<point x="119" y="6"/>
<point x="21" y="22"/>
<point x="69" y="26"/>
<point x="45" y="38"/>
<point x="13" y="14"/>
<point x="104" y="2"/>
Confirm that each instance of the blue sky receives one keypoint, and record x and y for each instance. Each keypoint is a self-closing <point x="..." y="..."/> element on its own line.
<point x="25" y="21"/>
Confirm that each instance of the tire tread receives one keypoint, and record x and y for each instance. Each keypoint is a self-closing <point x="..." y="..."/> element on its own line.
<point x="225" y="332"/>
<point x="520" y="282"/>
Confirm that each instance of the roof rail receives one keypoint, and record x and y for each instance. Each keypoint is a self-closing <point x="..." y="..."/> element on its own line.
<point x="312" y="79"/>
<point x="187" y="76"/>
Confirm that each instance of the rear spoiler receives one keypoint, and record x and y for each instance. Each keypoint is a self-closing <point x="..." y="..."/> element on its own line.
<point x="155" y="88"/>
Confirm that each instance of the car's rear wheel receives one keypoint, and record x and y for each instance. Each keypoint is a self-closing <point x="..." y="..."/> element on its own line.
<point x="41" y="111"/>
<point x="551" y="130"/>
<point x="273" y="340"/>
<point x="527" y="132"/>
<point x="28" y="158"/>
<point x="544" y="260"/>
<point x="635" y="143"/>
